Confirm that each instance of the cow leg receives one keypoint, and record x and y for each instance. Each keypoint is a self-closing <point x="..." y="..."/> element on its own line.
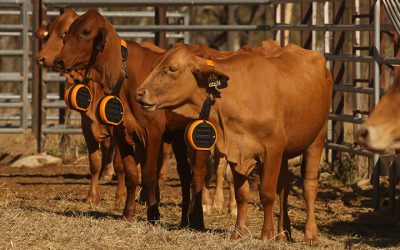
<point x="93" y="196"/>
<point x="283" y="188"/>
<point x="309" y="170"/>
<point x="269" y="178"/>
<point x="206" y="200"/>
<point x="232" y="209"/>
<point x="184" y="172"/>
<point x="218" y="200"/>
<point x="196" y="220"/>
<point x="149" y="167"/>
<point x="242" y="194"/>
<point x="131" y="177"/>
<point x="167" y="150"/>
<point x="119" y="170"/>
<point x="107" y="151"/>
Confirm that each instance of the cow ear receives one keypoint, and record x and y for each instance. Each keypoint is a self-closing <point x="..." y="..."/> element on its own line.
<point x="100" y="39"/>
<point x="42" y="32"/>
<point x="208" y="76"/>
<point x="61" y="11"/>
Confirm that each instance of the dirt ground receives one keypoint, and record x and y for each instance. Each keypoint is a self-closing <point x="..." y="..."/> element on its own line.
<point x="44" y="208"/>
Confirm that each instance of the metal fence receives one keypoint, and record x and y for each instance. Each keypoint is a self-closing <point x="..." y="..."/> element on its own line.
<point x="332" y="23"/>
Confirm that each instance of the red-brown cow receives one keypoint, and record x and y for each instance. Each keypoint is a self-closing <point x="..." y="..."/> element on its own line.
<point x="274" y="108"/>
<point x="93" y="131"/>
<point x="92" y="43"/>
<point x="382" y="128"/>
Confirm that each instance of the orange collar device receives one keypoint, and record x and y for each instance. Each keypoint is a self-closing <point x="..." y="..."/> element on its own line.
<point x="110" y="109"/>
<point x="78" y="97"/>
<point x="201" y="135"/>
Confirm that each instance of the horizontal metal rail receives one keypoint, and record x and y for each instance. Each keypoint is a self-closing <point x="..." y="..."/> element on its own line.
<point x="89" y="3"/>
<point x="11" y="130"/>
<point x="48" y="117"/>
<point x="262" y="27"/>
<point x="132" y="14"/>
<point x="62" y="130"/>
<point x="348" y="149"/>
<point x="345" y="118"/>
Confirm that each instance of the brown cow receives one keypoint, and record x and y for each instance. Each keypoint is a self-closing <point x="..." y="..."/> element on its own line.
<point x="93" y="131"/>
<point x="273" y="109"/>
<point x="92" y="42"/>
<point x="382" y="128"/>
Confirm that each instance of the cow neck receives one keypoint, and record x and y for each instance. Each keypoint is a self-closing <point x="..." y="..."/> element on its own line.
<point x="122" y="75"/>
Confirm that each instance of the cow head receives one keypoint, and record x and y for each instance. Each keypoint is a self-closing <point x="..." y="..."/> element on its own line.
<point x="53" y="36"/>
<point x="382" y="128"/>
<point x="84" y="42"/>
<point x="175" y="80"/>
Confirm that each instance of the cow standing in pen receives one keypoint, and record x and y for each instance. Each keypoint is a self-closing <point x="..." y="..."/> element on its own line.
<point x="93" y="131"/>
<point x="272" y="109"/>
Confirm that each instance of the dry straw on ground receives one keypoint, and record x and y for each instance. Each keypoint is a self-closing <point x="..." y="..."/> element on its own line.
<point x="43" y="208"/>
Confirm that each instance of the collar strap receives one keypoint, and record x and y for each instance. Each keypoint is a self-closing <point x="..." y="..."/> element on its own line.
<point x="205" y="110"/>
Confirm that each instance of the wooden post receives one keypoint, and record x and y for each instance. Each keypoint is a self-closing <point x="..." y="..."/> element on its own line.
<point x="37" y="80"/>
<point x="306" y="14"/>
<point x="161" y="19"/>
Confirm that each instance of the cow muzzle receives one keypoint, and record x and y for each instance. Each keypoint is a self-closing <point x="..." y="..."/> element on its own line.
<point x="143" y="98"/>
<point x="373" y="138"/>
<point x="59" y="64"/>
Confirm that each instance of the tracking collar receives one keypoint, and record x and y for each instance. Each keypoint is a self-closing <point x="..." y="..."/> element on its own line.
<point x="201" y="134"/>
<point x="110" y="108"/>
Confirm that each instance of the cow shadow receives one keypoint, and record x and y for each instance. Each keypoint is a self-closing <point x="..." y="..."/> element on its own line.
<point x="73" y="213"/>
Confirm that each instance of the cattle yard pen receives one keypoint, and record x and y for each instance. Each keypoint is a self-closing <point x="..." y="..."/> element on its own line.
<point x="356" y="39"/>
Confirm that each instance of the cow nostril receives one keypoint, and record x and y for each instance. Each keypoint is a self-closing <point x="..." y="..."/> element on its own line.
<point x="59" y="63"/>
<point x="140" y="93"/>
<point x="362" y="134"/>
<point x="40" y="60"/>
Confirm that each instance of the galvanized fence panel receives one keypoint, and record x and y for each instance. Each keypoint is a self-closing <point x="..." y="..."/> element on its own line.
<point x="309" y="27"/>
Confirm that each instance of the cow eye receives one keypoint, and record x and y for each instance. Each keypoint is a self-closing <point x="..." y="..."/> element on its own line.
<point x="172" y="68"/>
<point x="85" y="33"/>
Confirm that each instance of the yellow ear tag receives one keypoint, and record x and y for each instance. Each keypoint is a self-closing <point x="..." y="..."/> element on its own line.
<point x="123" y="43"/>
<point x="210" y="63"/>
<point x="45" y="33"/>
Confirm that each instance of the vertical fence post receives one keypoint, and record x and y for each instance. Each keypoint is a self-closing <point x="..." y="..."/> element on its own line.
<point x="160" y="19"/>
<point x="25" y="63"/>
<point x="36" y="79"/>
<point x="338" y="69"/>
<point x="327" y="50"/>
<point x="306" y="14"/>
<point x="376" y="55"/>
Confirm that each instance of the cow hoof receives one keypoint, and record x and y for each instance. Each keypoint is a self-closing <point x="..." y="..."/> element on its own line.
<point x="267" y="234"/>
<point x="119" y="201"/>
<point x="153" y="214"/>
<point x="93" y="199"/>
<point x="311" y="241"/>
<point x="128" y="215"/>
<point x="311" y="233"/>
<point x="239" y="232"/>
